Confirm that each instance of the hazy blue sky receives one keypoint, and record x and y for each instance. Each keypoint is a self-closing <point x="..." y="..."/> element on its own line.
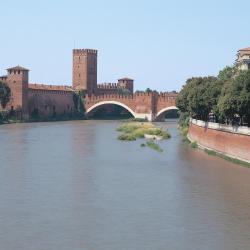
<point x="159" y="43"/>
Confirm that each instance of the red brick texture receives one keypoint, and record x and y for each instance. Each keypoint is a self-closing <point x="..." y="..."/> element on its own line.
<point x="50" y="102"/>
<point x="140" y="103"/>
<point x="229" y="143"/>
<point x="50" y="99"/>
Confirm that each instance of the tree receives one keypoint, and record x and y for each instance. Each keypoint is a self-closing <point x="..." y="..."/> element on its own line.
<point x="227" y="73"/>
<point x="79" y="103"/>
<point x="235" y="99"/>
<point x="148" y="90"/>
<point x="198" y="97"/>
<point x="5" y="94"/>
<point x="226" y="97"/>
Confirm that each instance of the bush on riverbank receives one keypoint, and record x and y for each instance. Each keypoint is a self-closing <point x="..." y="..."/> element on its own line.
<point x="194" y="144"/>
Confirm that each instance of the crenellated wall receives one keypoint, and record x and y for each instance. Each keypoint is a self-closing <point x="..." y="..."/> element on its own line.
<point x="47" y="99"/>
<point x="228" y="140"/>
<point x="140" y="104"/>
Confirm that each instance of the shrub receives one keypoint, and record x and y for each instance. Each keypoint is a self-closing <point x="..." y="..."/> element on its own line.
<point x="194" y="144"/>
<point x="126" y="137"/>
<point x="154" y="146"/>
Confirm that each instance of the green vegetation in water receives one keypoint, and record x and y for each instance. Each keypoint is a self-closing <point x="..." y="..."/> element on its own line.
<point x="133" y="130"/>
<point x="194" y="144"/>
<point x="227" y="158"/>
<point x="126" y="137"/>
<point x="137" y="120"/>
<point x="154" y="146"/>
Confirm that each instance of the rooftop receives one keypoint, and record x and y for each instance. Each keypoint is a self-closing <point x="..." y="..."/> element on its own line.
<point x="18" y="68"/>
<point x="245" y="49"/>
<point x="126" y="78"/>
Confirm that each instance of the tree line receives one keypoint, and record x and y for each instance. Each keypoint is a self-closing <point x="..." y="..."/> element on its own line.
<point x="223" y="99"/>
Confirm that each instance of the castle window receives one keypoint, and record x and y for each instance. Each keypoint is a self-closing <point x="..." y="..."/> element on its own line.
<point x="45" y="107"/>
<point x="68" y="107"/>
<point x="79" y="75"/>
<point x="18" y="72"/>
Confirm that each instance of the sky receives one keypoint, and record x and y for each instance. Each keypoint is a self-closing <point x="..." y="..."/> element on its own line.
<point x="158" y="43"/>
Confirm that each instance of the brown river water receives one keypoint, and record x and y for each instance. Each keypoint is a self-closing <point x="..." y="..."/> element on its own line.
<point x="74" y="186"/>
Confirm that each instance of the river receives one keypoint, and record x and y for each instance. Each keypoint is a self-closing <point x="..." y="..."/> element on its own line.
<point x="73" y="185"/>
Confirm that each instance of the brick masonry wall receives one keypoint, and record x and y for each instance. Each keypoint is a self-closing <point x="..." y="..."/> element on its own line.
<point x="49" y="101"/>
<point x="165" y="100"/>
<point x="232" y="143"/>
<point x="139" y="103"/>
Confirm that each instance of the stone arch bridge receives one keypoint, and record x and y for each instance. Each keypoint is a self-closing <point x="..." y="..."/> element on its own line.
<point x="151" y="106"/>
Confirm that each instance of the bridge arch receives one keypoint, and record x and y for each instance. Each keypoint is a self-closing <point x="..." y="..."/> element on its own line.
<point x="164" y="110"/>
<point x="98" y="104"/>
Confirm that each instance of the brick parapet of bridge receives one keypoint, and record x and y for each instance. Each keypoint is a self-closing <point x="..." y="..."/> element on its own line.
<point x="140" y="103"/>
<point x="118" y="96"/>
<point x="164" y="100"/>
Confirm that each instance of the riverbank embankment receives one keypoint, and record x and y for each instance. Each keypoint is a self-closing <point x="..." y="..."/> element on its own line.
<point x="231" y="141"/>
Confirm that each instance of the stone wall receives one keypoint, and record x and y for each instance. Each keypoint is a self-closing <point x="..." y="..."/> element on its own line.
<point x="228" y="140"/>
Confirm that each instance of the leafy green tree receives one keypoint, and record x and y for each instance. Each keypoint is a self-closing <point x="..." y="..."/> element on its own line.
<point x="148" y="90"/>
<point x="5" y="94"/>
<point x="226" y="97"/>
<point x="235" y="99"/>
<point x="199" y="96"/>
<point x="227" y="73"/>
<point x="79" y="103"/>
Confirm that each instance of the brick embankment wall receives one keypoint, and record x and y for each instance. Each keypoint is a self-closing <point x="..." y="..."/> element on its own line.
<point x="228" y="140"/>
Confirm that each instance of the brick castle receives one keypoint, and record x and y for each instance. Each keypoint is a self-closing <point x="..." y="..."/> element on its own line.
<point x="47" y="100"/>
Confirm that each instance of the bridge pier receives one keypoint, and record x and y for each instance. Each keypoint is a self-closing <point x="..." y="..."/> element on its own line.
<point x="149" y="117"/>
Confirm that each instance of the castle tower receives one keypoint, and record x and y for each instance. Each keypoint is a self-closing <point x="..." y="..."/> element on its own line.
<point x="126" y="83"/>
<point x="85" y="70"/>
<point x="17" y="79"/>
